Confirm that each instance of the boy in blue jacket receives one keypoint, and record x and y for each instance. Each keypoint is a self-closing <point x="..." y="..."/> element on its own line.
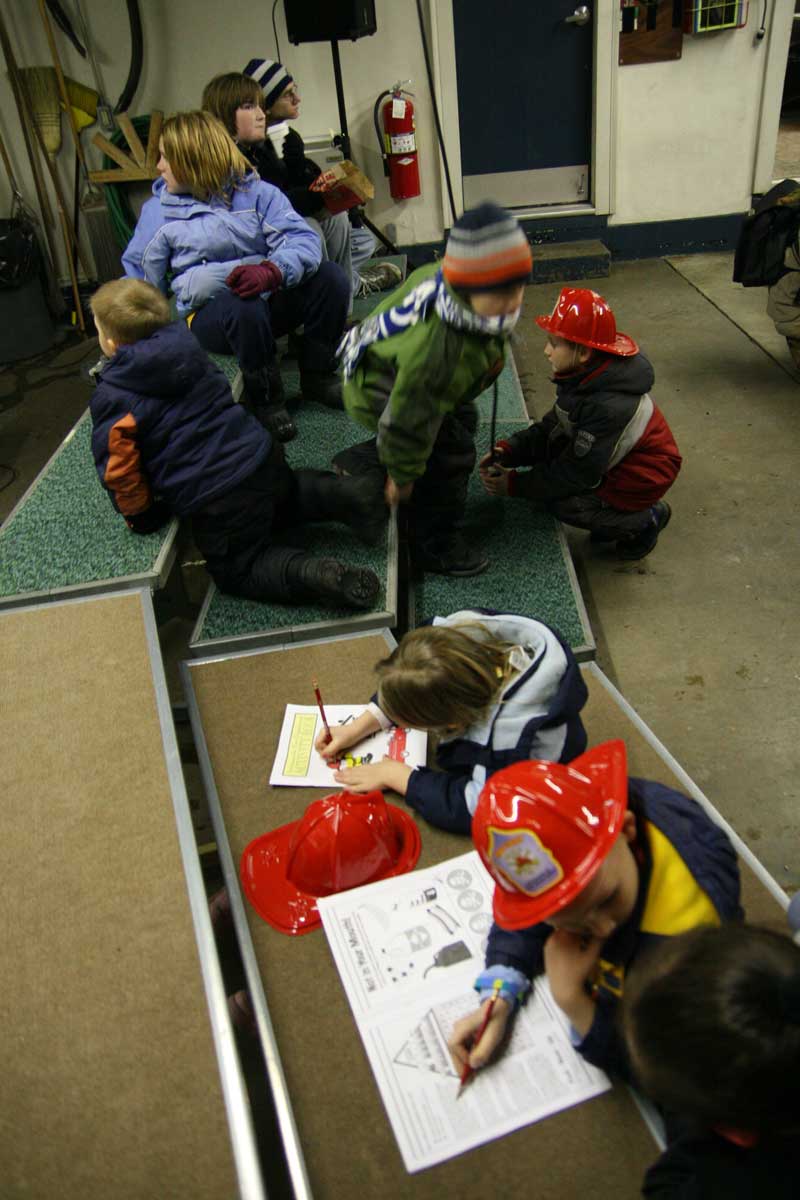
<point x="590" y="869"/>
<point x="168" y="439"/>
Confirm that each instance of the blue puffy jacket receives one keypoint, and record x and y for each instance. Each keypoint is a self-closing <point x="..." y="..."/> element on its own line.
<point x="199" y="242"/>
<point x="165" y="424"/>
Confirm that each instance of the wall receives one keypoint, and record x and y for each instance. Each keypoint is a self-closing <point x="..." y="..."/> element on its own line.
<point x="682" y="138"/>
<point x="189" y="41"/>
<point x="687" y="131"/>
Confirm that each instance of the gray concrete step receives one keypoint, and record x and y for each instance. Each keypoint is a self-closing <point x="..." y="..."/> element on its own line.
<point x="570" y="260"/>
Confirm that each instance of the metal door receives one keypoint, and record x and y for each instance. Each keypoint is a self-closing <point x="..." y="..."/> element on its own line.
<point x="524" y="71"/>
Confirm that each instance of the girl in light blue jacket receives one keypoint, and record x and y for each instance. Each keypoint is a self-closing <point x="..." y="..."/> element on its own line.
<point x="243" y="266"/>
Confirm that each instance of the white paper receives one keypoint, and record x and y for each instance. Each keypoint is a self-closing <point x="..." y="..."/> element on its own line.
<point x="297" y="763"/>
<point x="408" y="951"/>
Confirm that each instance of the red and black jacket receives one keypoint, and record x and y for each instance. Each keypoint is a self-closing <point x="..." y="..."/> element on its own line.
<point x="603" y="434"/>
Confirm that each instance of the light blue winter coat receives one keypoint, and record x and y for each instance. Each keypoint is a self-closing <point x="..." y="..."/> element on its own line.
<point x="199" y="242"/>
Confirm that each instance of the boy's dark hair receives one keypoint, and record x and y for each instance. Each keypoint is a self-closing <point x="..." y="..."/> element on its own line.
<point x="225" y="93"/>
<point x="130" y="309"/>
<point x="712" y="1022"/>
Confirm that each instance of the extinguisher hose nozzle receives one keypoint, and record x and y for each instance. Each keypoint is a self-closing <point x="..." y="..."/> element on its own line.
<point x="378" y="133"/>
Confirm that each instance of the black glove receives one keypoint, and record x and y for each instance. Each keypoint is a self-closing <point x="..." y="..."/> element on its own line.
<point x="301" y="170"/>
<point x="151" y="519"/>
<point x="293" y="150"/>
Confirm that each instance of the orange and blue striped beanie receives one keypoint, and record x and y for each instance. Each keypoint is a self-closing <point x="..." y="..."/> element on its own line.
<point x="486" y="249"/>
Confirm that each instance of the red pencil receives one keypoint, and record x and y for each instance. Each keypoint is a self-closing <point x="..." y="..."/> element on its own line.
<point x="315" y="685"/>
<point x="468" y="1071"/>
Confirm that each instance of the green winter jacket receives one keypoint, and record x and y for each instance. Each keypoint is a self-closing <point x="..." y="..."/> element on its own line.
<point x="405" y="385"/>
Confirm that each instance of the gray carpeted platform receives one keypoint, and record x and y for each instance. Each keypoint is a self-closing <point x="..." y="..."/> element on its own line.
<point x="530" y="569"/>
<point x="64" y="536"/>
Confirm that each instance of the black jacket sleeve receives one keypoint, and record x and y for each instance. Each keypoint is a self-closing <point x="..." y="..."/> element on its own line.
<point x="519" y="948"/>
<point x="575" y="465"/>
<point x="300" y="172"/>
<point x="529" y="446"/>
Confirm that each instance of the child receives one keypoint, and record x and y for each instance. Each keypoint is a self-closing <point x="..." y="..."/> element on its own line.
<point x="345" y="239"/>
<point x="168" y="438"/>
<point x="782" y="302"/>
<point x="414" y="369"/>
<point x="243" y="266"/>
<point x="590" y="868"/>
<point x="496" y="687"/>
<point x="712" y="1025"/>
<point x="603" y="456"/>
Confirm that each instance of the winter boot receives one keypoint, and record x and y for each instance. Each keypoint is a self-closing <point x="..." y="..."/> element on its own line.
<point x="319" y="379"/>
<point x="640" y="544"/>
<point x="355" y="501"/>
<point x="451" y="556"/>
<point x="331" y="582"/>
<point x="264" y="398"/>
<point x="361" y="459"/>
<point x="323" y="386"/>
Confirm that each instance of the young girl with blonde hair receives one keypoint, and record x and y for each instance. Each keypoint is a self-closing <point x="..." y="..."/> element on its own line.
<point x="243" y="265"/>
<point x="495" y="688"/>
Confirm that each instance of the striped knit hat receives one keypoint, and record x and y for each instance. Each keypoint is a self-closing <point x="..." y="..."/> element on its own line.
<point x="272" y="77"/>
<point x="486" y="250"/>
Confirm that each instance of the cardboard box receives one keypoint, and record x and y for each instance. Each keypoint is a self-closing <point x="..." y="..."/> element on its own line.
<point x="343" y="187"/>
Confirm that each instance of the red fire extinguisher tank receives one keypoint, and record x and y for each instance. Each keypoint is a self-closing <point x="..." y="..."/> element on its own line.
<point x="400" y="142"/>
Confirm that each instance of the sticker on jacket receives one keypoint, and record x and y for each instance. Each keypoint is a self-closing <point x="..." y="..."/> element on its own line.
<point x="523" y="861"/>
<point x="583" y="443"/>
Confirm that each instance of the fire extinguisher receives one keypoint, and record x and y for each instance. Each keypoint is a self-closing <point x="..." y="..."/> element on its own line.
<point x="398" y="141"/>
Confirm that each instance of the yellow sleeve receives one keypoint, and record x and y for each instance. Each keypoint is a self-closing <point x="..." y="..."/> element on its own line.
<point x="675" y="901"/>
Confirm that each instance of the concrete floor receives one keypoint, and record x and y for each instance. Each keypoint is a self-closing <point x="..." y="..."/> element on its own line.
<point x="700" y="636"/>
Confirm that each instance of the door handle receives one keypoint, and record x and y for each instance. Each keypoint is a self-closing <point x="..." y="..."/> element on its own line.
<point x="580" y="17"/>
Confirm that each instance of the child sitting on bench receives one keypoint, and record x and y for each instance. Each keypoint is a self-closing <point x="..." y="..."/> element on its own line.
<point x="168" y="439"/>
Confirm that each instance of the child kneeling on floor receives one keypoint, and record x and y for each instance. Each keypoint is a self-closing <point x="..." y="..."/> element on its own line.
<point x="602" y="458"/>
<point x="712" y="1026"/>
<point x="168" y="439"/>
<point x="590" y="869"/>
<point x="496" y="687"/>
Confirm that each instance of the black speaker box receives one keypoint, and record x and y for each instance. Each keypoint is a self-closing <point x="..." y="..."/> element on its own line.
<point x="329" y="20"/>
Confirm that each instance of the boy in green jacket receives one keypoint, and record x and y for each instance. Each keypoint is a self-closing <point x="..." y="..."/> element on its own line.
<point x="414" y="368"/>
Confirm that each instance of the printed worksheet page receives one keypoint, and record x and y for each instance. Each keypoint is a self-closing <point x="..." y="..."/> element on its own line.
<point x="297" y="763"/>
<point x="408" y="950"/>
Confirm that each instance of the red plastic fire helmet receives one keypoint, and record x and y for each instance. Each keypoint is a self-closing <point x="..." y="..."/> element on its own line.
<point x="543" y="830"/>
<point x="340" y="842"/>
<point x="583" y="316"/>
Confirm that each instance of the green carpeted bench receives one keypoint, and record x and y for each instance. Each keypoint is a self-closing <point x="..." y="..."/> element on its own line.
<point x="63" y="538"/>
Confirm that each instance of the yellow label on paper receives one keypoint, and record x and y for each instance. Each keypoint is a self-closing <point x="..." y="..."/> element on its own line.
<point x="301" y="744"/>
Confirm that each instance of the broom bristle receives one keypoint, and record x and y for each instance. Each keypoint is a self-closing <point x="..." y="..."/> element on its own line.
<point x="41" y="88"/>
